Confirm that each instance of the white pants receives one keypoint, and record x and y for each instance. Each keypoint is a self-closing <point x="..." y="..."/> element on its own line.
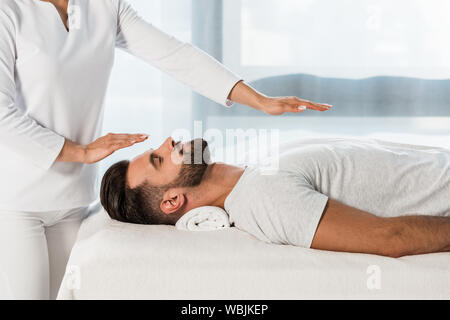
<point x="34" y="249"/>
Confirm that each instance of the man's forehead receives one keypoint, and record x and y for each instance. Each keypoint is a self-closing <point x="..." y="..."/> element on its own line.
<point x="136" y="174"/>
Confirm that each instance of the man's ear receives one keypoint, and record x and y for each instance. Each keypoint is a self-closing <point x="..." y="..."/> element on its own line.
<point x="173" y="200"/>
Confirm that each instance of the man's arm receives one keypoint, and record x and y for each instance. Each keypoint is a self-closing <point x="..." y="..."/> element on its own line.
<point x="343" y="228"/>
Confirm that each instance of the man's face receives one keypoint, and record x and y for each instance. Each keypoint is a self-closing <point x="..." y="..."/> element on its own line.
<point x="163" y="166"/>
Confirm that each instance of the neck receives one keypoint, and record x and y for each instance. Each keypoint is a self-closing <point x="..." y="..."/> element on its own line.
<point x="218" y="182"/>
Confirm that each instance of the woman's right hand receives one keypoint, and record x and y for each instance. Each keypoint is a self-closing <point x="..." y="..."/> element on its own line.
<point x="99" y="149"/>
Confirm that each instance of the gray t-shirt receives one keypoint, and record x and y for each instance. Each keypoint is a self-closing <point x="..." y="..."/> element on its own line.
<point x="383" y="178"/>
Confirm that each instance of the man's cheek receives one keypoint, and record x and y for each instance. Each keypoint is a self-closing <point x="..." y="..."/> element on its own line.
<point x="176" y="159"/>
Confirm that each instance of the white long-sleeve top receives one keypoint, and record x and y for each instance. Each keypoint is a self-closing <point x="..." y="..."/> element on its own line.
<point x="53" y="84"/>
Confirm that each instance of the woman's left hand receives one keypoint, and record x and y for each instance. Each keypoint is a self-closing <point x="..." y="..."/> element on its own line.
<point x="281" y="105"/>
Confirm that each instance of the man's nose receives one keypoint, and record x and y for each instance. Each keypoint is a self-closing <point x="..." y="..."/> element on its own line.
<point x="170" y="143"/>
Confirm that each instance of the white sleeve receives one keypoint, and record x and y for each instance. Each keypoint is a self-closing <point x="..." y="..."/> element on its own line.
<point x="18" y="132"/>
<point x="181" y="60"/>
<point x="298" y="208"/>
<point x="286" y="208"/>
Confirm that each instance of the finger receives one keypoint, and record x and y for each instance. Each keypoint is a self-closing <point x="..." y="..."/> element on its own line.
<point x="129" y="139"/>
<point x="113" y="147"/>
<point x="325" y="105"/>
<point x="319" y="106"/>
<point x="130" y="136"/>
<point x="295" y="105"/>
<point x="312" y="105"/>
<point x="315" y="106"/>
<point x="296" y="108"/>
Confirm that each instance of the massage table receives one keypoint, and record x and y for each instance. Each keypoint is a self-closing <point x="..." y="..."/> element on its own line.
<point x="113" y="260"/>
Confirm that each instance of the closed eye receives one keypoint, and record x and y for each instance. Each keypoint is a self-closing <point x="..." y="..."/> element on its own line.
<point x="156" y="161"/>
<point x="153" y="156"/>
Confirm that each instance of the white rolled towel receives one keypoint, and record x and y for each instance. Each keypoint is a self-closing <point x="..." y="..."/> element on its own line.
<point x="206" y="218"/>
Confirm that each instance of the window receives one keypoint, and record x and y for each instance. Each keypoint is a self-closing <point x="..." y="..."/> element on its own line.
<point x="339" y="39"/>
<point x="263" y="38"/>
<point x="345" y="38"/>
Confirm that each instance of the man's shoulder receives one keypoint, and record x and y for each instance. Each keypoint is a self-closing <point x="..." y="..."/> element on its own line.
<point x="253" y="183"/>
<point x="261" y="181"/>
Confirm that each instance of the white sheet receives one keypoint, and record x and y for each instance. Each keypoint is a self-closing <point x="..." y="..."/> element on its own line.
<point x="113" y="260"/>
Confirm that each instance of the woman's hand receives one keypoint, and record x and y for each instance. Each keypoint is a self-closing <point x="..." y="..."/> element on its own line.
<point x="105" y="146"/>
<point x="244" y="94"/>
<point x="99" y="149"/>
<point x="281" y="105"/>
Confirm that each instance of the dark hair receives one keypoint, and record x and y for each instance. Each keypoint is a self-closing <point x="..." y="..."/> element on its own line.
<point x="139" y="205"/>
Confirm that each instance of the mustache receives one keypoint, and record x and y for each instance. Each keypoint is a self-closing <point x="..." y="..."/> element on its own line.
<point x="179" y="148"/>
<point x="198" y="152"/>
<point x="193" y="152"/>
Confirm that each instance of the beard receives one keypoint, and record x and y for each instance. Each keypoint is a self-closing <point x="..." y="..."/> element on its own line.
<point x="196" y="161"/>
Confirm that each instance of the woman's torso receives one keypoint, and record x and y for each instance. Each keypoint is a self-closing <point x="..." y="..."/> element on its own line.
<point x="61" y="79"/>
